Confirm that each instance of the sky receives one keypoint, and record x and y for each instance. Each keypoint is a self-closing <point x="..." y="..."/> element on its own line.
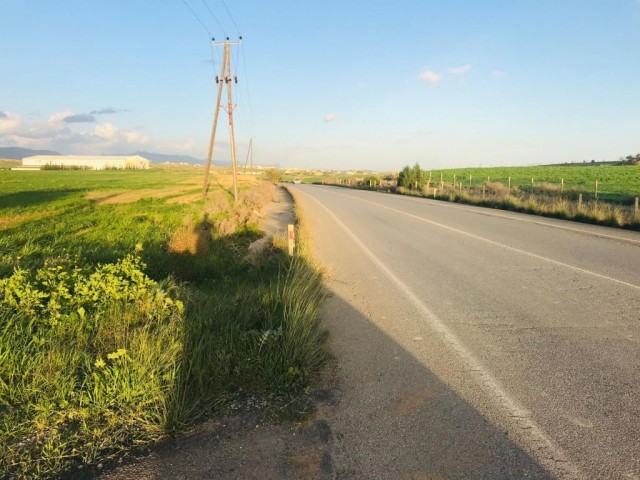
<point x="350" y="84"/>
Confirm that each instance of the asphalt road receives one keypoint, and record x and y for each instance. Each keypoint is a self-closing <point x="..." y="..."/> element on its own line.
<point x="477" y="343"/>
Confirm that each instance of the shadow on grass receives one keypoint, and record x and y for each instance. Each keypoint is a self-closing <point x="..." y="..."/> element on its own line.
<point x="412" y="425"/>
<point x="34" y="197"/>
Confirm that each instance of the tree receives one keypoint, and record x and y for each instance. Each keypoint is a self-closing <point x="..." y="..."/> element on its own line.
<point x="411" y="177"/>
<point x="273" y="175"/>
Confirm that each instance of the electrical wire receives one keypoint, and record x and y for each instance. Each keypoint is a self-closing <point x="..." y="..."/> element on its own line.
<point x="195" y="15"/>
<point x="231" y="17"/>
<point x="214" y="17"/>
<point x="246" y="77"/>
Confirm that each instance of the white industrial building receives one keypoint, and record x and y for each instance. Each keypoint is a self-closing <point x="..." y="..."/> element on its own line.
<point x="91" y="162"/>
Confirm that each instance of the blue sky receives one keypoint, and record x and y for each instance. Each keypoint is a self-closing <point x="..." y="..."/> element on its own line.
<point x="332" y="84"/>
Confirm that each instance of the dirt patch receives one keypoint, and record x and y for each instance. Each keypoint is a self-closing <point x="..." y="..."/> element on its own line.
<point x="8" y="221"/>
<point x="192" y="239"/>
<point x="108" y="198"/>
<point x="249" y="444"/>
<point x="190" y="198"/>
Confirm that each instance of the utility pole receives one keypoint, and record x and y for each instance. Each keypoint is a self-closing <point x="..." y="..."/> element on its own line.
<point x="249" y="156"/>
<point x="224" y="79"/>
<point x="212" y="140"/>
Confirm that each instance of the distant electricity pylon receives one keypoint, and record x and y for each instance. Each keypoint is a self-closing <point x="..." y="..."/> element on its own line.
<point x="224" y="79"/>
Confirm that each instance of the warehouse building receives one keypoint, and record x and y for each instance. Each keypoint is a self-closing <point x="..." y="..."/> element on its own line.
<point x="90" y="162"/>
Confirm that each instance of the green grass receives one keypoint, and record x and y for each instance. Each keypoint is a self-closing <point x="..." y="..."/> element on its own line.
<point x="615" y="183"/>
<point x="122" y="323"/>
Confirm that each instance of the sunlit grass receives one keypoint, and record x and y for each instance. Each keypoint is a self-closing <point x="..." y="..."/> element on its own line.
<point x="123" y="323"/>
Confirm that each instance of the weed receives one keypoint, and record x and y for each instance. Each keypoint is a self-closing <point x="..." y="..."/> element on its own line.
<point x="106" y="346"/>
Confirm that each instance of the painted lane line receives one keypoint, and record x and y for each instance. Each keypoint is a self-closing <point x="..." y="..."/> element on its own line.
<point x="539" y="444"/>
<point x="487" y="211"/>
<point x="498" y="244"/>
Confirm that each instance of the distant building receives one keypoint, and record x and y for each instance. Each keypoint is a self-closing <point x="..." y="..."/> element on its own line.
<point x="90" y="162"/>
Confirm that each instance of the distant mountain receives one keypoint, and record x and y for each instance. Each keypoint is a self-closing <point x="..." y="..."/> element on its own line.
<point x="162" y="157"/>
<point x="17" y="153"/>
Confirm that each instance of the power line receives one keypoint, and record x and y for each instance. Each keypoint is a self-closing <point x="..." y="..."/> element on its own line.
<point x="214" y="17"/>
<point x="230" y="16"/>
<point x="246" y="76"/>
<point x="197" y="17"/>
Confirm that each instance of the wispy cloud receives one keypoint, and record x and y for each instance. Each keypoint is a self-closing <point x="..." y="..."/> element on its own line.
<point x="463" y="70"/>
<point x="331" y="117"/>
<point x="107" y="111"/>
<point x="79" y="118"/>
<point x="3" y="115"/>
<point x="60" y="133"/>
<point x="430" y="76"/>
<point x="500" y="73"/>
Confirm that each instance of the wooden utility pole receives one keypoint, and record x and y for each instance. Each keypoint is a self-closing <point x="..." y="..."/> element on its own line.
<point x="224" y="79"/>
<point x="205" y="186"/>
<point x="249" y="156"/>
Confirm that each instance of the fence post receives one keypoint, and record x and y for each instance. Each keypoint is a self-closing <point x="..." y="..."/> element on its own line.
<point x="635" y="207"/>
<point x="562" y="185"/>
<point x="579" y="201"/>
<point x="596" y="189"/>
<point x="531" y="184"/>
<point x="435" y="192"/>
<point x="509" y="183"/>
<point x="483" y="190"/>
<point x="469" y="181"/>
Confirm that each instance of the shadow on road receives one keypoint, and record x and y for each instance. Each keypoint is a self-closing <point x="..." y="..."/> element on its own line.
<point x="382" y="414"/>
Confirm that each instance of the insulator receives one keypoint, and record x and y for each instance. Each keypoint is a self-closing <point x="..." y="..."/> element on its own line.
<point x="235" y="79"/>
<point x="227" y="39"/>
<point x="240" y="38"/>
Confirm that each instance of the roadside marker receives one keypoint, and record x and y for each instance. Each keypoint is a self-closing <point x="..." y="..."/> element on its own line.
<point x="292" y="239"/>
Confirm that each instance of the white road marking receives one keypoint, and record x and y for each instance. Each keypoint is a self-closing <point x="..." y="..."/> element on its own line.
<point x="481" y="210"/>
<point x="493" y="242"/>
<point x="539" y="444"/>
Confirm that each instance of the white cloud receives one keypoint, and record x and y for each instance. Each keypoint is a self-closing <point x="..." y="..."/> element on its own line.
<point x="9" y="122"/>
<point x="500" y="73"/>
<point x="430" y="76"/>
<point x="56" y="133"/>
<point x="463" y="70"/>
<point x="330" y="117"/>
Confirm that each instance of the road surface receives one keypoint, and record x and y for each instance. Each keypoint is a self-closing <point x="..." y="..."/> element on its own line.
<point x="477" y="343"/>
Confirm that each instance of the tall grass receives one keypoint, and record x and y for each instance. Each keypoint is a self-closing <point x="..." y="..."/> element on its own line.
<point x="107" y="346"/>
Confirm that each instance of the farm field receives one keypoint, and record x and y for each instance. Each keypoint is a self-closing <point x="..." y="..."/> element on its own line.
<point x="8" y="163"/>
<point x="615" y="183"/>
<point x="128" y="311"/>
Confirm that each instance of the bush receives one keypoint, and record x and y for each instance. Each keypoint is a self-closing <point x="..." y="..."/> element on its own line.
<point x="88" y="363"/>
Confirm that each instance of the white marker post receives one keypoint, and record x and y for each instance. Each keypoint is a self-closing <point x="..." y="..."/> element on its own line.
<point x="292" y="239"/>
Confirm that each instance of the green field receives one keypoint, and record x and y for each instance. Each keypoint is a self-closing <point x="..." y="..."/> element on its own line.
<point x="615" y="183"/>
<point x="128" y="311"/>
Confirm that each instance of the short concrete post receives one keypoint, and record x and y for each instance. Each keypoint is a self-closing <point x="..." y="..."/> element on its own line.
<point x="435" y="192"/>
<point x="596" y="189"/>
<point x="635" y="207"/>
<point x="579" y="201"/>
<point x="483" y="190"/>
<point x="562" y="185"/>
<point x="509" y="183"/>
